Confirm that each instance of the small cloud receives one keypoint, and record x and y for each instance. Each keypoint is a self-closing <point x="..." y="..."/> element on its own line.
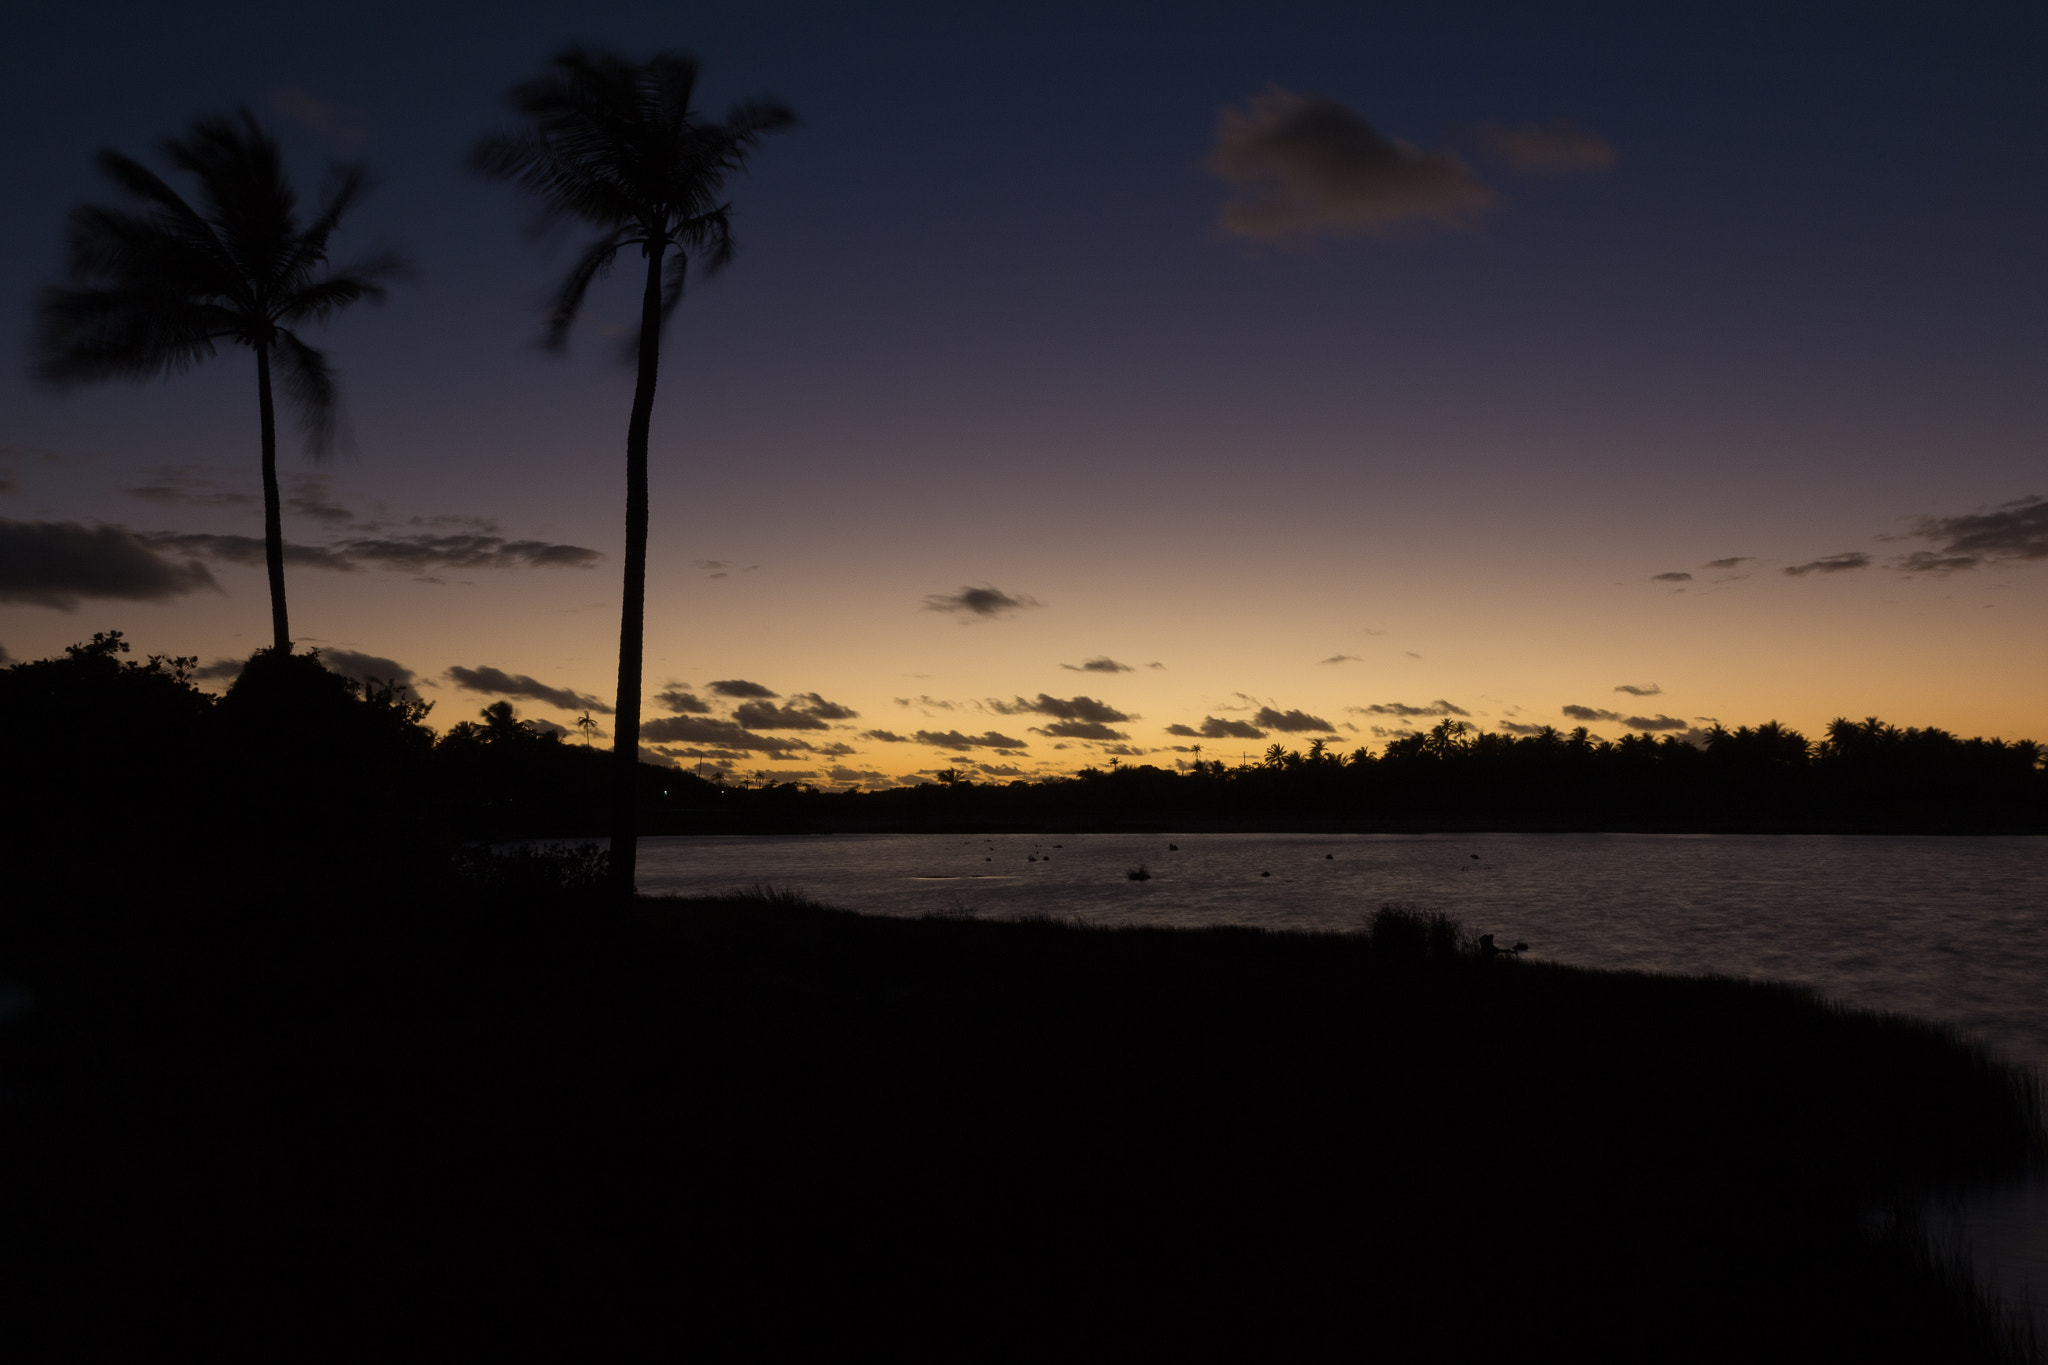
<point x="1654" y="723"/>
<point x="1100" y="664"/>
<point x="1590" y="713"/>
<point x="678" y="698"/>
<point x="725" y="734"/>
<point x="1671" y="578"/>
<point x="931" y="703"/>
<point x="1341" y="659"/>
<point x="740" y="687"/>
<point x="1307" y="166"/>
<point x="885" y="736"/>
<point x="1402" y="709"/>
<point x="1064" y="708"/>
<point x="1940" y="565"/>
<point x="498" y="683"/>
<point x="1732" y="561"/>
<point x="1830" y="564"/>
<point x="58" y="563"/>
<point x="1078" y="729"/>
<point x="806" y="711"/>
<point x="228" y="669"/>
<point x="1159" y="666"/>
<point x="1647" y="690"/>
<point x="954" y="740"/>
<point x="1560" y="147"/>
<point x="1215" y="728"/>
<point x="1292" y="722"/>
<point x="981" y="603"/>
<point x="366" y="667"/>
<point x="2012" y="531"/>
<point x="1516" y="728"/>
<point x="309" y="499"/>
<point x="1409" y="653"/>
<point x="188" y="485"/>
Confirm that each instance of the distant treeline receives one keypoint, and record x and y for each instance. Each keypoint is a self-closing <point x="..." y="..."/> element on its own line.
<point x="1859" y="775"/>
<point x="294" y="753"/>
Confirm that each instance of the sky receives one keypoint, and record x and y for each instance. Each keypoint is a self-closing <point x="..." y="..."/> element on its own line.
<point x="1100" y="382"/>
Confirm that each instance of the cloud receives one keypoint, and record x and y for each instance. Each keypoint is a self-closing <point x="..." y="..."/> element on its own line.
<point x="1928" y="561"/>
<point x="806" y="711"/>
<point x="1730" y="562"/>
<point x="1099" y="664"/>
<point x="1292" y="722"/>
<point x="1654" y="723"/>
<point x="676" y="697"/>
<point x="1213" y="728"/>
<point x="866" y="777"/>
<point x="220" y="668"/>
<point x="740" y="687"/>
<point x="1078" y="729"/>
<point x="417" y="554"/>
<point x="1341" y="659"/>
<point x="1651" y="690"/>
<point x="885" y="736"/>
<point x="188" y="485"/>
<point x="1514" y="728"/>
<point x="979" y="603"/>
<point x="1590" y="713"/>
<point x="363" y="667"/>
<point x="932" y="702"/>
<point x="1307" y="166"/>
<point x="2013" y="531"/>
<point x="725" y="734"/>
<point x="1396" y="708"/>
<point x="309" y="499"/>
<point x="1671" y="578"/>
<point x="1560" y="148"/>
<point x="1830" y="564"/>
<point x="498" y="683"/>
<point x="1160" y="666"/>
<point x="546" y="727"/>
<point x="954" y="740"/>
<point x="1063" y="708"/>
<point x="56" y="563"/>
<point x="423" y="553"/>
<point x="6" y="659"/>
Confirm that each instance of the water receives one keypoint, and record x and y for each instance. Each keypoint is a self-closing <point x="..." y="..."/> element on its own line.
<point x="1948" y="929"/>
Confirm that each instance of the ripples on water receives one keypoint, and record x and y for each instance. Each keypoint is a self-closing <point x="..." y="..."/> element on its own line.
<point x="1950" y="929"/>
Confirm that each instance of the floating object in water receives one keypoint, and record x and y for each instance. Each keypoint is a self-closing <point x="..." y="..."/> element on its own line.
<point x="1265" y="874"/>
<point x="1173" y="848"/>
<point x="1475" y="857"/>
<point x="1329" y="857"/>
<point x="1138" y="874"/>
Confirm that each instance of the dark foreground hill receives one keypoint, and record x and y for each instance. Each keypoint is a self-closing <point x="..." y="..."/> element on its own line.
<point x="312" y="1124"/>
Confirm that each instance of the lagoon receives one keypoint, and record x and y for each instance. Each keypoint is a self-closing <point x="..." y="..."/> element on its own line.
<point x="1943" y="928"/>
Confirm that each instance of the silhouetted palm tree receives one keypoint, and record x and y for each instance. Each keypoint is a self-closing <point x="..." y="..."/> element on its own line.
<point x="154" y="290"/>
<point x="615" y="144"/>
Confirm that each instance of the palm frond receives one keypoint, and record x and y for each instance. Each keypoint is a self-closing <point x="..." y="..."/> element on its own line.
<point x="592" y="265"/>
<point x="616" y="144"/>
<point x="360" y="281"/>
<point x="309" y="384"/>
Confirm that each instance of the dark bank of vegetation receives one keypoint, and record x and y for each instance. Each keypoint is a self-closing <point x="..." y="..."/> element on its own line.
<point x="305" y="1077"/>
<point x="111" y="741"/>
<point x="484" y="1117"/>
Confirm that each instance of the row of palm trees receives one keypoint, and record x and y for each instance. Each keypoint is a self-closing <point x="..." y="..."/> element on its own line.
<point x="602" y="141"/>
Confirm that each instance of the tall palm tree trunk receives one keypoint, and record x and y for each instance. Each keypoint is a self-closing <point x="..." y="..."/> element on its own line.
<point x="633" y="603"/>
<point x="273" y="512"/>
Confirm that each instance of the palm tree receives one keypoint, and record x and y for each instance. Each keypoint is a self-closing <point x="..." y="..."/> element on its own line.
<point x="616" y="145"/>
<point x="153" y="290"/>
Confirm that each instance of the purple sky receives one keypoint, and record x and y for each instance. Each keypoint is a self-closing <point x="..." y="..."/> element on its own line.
<point x="1334" y="361"/>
